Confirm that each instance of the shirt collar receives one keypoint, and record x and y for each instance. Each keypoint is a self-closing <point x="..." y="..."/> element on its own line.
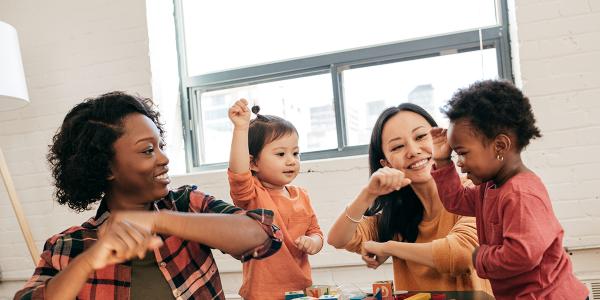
<point x="102" y="213"/>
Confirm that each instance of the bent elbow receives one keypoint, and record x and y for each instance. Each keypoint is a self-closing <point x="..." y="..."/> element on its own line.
<point x="336" y="243"/>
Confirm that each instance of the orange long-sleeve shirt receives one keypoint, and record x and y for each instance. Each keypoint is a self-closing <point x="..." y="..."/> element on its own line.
<point x="453" y="240"/>
<point x="288" y="269"/>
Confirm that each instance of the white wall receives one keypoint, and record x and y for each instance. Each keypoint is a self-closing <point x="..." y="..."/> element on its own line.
<point x="559" y="46"/>
<point x="71" y="50"/>
<point x="75" y="49"/>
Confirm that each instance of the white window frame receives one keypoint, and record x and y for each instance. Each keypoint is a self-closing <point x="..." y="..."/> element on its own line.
<point x="333" y="63"/>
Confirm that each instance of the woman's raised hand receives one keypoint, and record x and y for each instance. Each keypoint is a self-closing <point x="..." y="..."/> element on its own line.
<point x="239" y="114"/>
<point x="385" y="181"/>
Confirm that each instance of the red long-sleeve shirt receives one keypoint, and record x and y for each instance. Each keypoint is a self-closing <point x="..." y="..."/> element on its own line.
<point x="520" y="238"/>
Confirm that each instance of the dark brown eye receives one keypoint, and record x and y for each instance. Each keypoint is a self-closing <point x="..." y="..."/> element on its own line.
<point x="255" y="109"/>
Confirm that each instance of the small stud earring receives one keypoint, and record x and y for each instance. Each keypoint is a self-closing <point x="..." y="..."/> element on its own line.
<point x="499" y="157"/>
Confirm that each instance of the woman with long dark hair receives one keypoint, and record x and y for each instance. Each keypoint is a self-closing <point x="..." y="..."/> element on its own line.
<point x="399" y="212"/>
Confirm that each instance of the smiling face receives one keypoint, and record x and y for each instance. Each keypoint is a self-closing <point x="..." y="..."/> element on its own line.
<point x="407" y="145"/>
<point x="476" y="157"/>
<point x="278" y="163"/>
<point x="139" y="168"/>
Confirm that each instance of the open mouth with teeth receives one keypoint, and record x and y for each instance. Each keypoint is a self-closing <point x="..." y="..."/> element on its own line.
<point x="419" y="164"/>
<point x="162" y="177"/>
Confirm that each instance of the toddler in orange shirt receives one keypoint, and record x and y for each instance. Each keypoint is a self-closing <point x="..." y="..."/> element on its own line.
<point x="264" y="160"/>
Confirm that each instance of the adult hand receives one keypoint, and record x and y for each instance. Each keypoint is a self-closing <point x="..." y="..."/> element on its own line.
<point x="373" y="254"/>
<point x="239" y="114"/>
<point x="385" y="181"/>
<point x="119" y="242"/>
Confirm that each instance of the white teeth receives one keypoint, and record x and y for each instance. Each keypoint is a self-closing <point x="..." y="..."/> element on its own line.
<point x="418" y="164"/>
<point x="163" y="176"/>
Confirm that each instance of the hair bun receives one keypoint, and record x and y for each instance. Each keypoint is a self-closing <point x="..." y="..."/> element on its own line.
<point x="255" y="109"/>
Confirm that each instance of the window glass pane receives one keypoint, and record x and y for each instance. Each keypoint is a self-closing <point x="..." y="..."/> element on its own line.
<point x="227" y="34"/>
<point x="428" y="82"/>
<point x="307" y="102"/>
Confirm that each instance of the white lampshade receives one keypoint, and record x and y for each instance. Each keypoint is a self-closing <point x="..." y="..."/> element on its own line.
<point x="13" y="88"/>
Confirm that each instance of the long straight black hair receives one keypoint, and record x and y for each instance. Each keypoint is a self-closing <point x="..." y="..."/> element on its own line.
<point x="401" y="211"/>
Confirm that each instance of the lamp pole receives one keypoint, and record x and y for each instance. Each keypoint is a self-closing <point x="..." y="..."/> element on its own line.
<point x="16" y="204"/>
<point x="13" y="95"/>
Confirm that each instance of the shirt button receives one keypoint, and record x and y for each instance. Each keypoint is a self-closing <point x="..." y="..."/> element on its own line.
<point x="176" y="293"/>
<point x="163" y="264"/>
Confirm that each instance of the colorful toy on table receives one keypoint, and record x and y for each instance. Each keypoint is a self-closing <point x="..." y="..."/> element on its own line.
<point x="386" y="287"/>
<point x="334" y="290"/>
<point x="420" y="296"/>
<point x="438" y="297"/>
<point x="317" y="290"/>
<point x="357" y="297"/>
<point x="294" y="295"/>
<point x="406" y="295"/>
<point x="378" y="294"/>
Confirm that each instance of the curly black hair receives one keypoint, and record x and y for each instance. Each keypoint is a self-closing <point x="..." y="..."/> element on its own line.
<point x="82" y="149"/>
<point x="494" y="107"/>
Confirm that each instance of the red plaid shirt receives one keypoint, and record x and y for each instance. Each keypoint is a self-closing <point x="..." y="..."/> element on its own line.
<point x="188" y="267"/>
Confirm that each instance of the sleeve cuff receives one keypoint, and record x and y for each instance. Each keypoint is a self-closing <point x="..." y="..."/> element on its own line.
<point x="437" y="171"/>
<point x="441" y="255"/>
<point x="265" y="218"/>
<point x="478" y="262"/>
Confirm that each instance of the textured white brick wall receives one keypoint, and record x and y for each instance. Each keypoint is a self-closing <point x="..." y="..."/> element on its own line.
<point x="71" y="50"/>
<point x="74" y="49"/>
<point x="559" y="47"/>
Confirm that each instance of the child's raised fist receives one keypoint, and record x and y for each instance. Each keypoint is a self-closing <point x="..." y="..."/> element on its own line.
<point x="239" y="114"/>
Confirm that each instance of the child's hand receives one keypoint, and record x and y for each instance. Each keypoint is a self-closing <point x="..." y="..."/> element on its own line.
<point x="441" y="148"/>
<point x="309" y="244"/>
<point x="373" y="254"/>
<point x="119" y="242"/>
<point x="385" y="181"/>
<point x="239" y="114"/>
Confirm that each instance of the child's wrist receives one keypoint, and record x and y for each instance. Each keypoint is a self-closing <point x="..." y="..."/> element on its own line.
<point x="442" y="162"/>
<point x="241" y="127"/>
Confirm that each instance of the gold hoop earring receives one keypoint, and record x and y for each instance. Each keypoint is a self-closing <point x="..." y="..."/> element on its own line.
<point x="499" y="157"/>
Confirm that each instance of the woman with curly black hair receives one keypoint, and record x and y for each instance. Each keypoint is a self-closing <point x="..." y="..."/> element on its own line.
<point x="403" y="216"/>
<point x="145" y="241"/>
<point x="521" y="250"/>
